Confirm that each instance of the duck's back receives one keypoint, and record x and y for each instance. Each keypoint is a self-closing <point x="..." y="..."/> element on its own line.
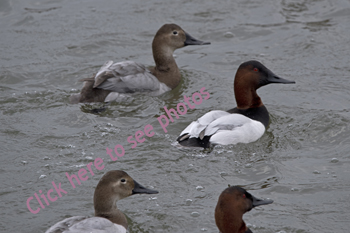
<point x="83" y="224"/>
<point x="125" y="77"/>
<point x="259" y="114"/>
<point x="224" y="128"/>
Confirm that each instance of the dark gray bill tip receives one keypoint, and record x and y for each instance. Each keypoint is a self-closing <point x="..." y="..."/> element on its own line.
<point x="257" y="201"/>
<point x="205" y="43"/>
<point x="276" y="79"/>
<point x="193" y="41"/>
<point x="139" y="189"/>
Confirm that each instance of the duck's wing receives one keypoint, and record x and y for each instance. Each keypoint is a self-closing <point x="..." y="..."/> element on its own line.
<point x="227" y="122"/>
<point x="233" y="129"/>
<point x="196" y="127"/>
<point x="125" y="77"/>
<point x="82" y="224"/>
<point x="63" y="225"/>
<point x="219" y="127"/>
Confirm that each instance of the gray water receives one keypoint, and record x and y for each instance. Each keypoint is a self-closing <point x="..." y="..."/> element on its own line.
<point x="302" y="161"/>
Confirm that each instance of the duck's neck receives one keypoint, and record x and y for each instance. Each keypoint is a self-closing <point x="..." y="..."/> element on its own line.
<point x="229" y="224"/>
<point x="107" y="208"/>
<point x="246" y="96"/>
<point x="166" y="69"/>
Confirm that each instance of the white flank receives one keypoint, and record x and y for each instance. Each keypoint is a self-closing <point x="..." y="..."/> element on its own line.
<point x="225" y="128"/>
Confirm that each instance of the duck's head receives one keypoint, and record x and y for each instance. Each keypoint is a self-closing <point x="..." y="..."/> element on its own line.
<point x="232" y="204"/>
<point x="250" y="76"/>
<point x="174" y="37"/>
<point x="255" y="74"/>
<point x="116" y="185"/>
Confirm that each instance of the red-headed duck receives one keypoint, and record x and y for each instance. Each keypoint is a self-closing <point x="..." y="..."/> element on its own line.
<point x="112" y="187"/>
<point x="243" y="124"/>
<point x="232" y="204"/>
<point x="116" y="79"/>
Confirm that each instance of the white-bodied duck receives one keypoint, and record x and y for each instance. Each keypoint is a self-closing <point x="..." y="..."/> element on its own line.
<point x="115" y="79"/>
<point x="112" y="187"/>
<point x="243" y="124"/>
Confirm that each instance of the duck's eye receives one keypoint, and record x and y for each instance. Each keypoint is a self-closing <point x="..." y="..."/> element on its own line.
<point x="255" y="69"/>
<point x="123" y="180"/>
<point x="175" y="33"/>
<point x="243" y="196"/>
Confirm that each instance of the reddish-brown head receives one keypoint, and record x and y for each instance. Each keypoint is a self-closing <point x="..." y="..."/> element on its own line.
<point x="232" y="204"/>
<point x="250" y="76"/>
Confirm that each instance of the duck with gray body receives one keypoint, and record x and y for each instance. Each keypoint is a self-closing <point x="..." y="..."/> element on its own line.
<point x="112" y="187"/>
<point x="115" y="80"/>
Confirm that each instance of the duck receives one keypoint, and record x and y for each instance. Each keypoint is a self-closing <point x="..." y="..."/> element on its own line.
<point x="243" y="124"/>
<point x="112" y="187"/>
<point x="114" y="80"/>
<point x="233" y="202"/>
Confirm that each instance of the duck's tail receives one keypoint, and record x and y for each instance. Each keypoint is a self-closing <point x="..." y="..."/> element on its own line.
<point x="88" y="93"/>
<point x="194" y="142"/>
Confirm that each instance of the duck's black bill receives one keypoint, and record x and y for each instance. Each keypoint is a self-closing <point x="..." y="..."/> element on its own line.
<point x="257" y="201"/>
<point x="277" y="79"/>
<point x="139" y="189"/>
<point x="193" y="41"/>
<point x="272" y="78"/>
